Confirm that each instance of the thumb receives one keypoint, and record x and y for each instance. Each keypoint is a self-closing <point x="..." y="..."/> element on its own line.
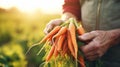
<point x="87" y="36"/>
<point x="48" y="28"/>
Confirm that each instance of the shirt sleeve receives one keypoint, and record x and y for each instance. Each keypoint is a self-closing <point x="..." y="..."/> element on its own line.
<point x="72" y="6"/>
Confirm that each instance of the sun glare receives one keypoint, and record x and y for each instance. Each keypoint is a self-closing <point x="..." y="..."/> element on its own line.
<point x="32" y="5"/>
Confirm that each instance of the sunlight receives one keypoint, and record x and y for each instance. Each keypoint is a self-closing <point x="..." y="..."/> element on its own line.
<point x="32" y="5"/>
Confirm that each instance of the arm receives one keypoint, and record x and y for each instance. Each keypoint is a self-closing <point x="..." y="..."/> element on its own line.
<point x="71" y="8"/>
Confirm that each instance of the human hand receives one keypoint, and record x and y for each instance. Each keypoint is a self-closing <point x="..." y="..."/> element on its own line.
<point x="52" y="24"/>
<point x="98" y="42"/>
<point x="56" y="22"/>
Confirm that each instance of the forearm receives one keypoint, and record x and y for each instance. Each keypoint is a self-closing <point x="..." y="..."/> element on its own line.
<point x="71" y="8"/>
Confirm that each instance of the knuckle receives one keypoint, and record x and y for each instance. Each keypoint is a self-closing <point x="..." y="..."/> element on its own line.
<point x="49" y="24"/>
<point x="52" y="21"/>
<point x="96" y="44"/>
<point x="95" y="47"/>
<point x="82" y="48"/>
<point x="95" y="32"/>
<point x="45" y="31"/>
<point x="84" y="51"/>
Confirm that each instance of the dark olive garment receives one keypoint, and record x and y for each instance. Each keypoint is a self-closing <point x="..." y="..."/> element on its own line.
<point x="103" y="15"/>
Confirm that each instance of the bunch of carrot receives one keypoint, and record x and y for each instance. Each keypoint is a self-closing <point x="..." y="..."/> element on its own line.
<point x="64" y="41"/>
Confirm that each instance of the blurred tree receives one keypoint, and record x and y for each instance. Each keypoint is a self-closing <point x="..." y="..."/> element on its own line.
<point x="2" y="10"/>
<point x="13" y="10"/>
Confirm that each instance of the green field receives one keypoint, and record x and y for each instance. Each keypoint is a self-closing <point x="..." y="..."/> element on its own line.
<point x="18" y="31"/>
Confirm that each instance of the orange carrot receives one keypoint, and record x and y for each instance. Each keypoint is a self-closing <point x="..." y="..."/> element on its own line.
<point x="80" y="30"/>
<point x="65" y="51"/>
<point x="81" y="61"/>
<point x="52" y="50"/>
<point x="70" y="45"/>
<point x="65" y="48"/>
<point x="56" y="51"/>
<point x="54" y="31"/>
<point x="50" y="53"/>
<point x="64" y="44"/>
<point x="60" y="42"/>
<point x="73" y="38"/>
<point x="61" y="31"/>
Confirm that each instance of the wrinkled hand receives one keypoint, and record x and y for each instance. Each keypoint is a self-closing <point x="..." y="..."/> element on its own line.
<point x="52" y="24"/>
<point x="98" y="42"/>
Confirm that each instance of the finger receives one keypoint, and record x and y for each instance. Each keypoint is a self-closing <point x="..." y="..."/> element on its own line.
<point x="92" y="58"/>
<point x="87" y="36"/>
<point x="91" y="53"/>
<point x="52" y="24"/>
<point x="48" y="28"/>
<point x="88" y="47"/>
<point x="57" y="22"/>
<point x="45" y="32"/>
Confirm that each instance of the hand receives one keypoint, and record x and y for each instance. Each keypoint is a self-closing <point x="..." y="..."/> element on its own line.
<point x="56" y="22"/>
<point x="52" y="24"/>
<point x="98" y="42"/>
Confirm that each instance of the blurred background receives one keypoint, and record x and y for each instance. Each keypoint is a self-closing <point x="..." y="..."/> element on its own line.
<point x="21" y="25"/>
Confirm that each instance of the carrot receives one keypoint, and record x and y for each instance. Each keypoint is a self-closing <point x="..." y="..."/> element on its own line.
<point x="64" y="44"/>
<point x="50" y="53"/>
<point x="60" y="42"/>
<point x="72" y="30"/>
<point x="81" y="61"/>
<point x="70" y="45"/>
<point x="54" y="31"/>
<point x="73" y="38"/>
<point x="65" y="51"/>
<point x="65" y="48"/>
<point x="50" y="38"/>
<point x="56" y="51"/>
<point x="61" y="31"/>
<point x="80" y="30"/>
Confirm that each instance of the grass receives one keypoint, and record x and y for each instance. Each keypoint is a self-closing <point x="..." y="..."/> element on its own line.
<point x="18" y="31"/>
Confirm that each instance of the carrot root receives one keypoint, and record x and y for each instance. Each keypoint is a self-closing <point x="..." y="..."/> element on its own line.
<point x="54" y="31"/>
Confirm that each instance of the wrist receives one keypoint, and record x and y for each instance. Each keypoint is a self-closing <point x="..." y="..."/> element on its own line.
<point x="67" y="15"/>
<point x="115" y="34"/>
